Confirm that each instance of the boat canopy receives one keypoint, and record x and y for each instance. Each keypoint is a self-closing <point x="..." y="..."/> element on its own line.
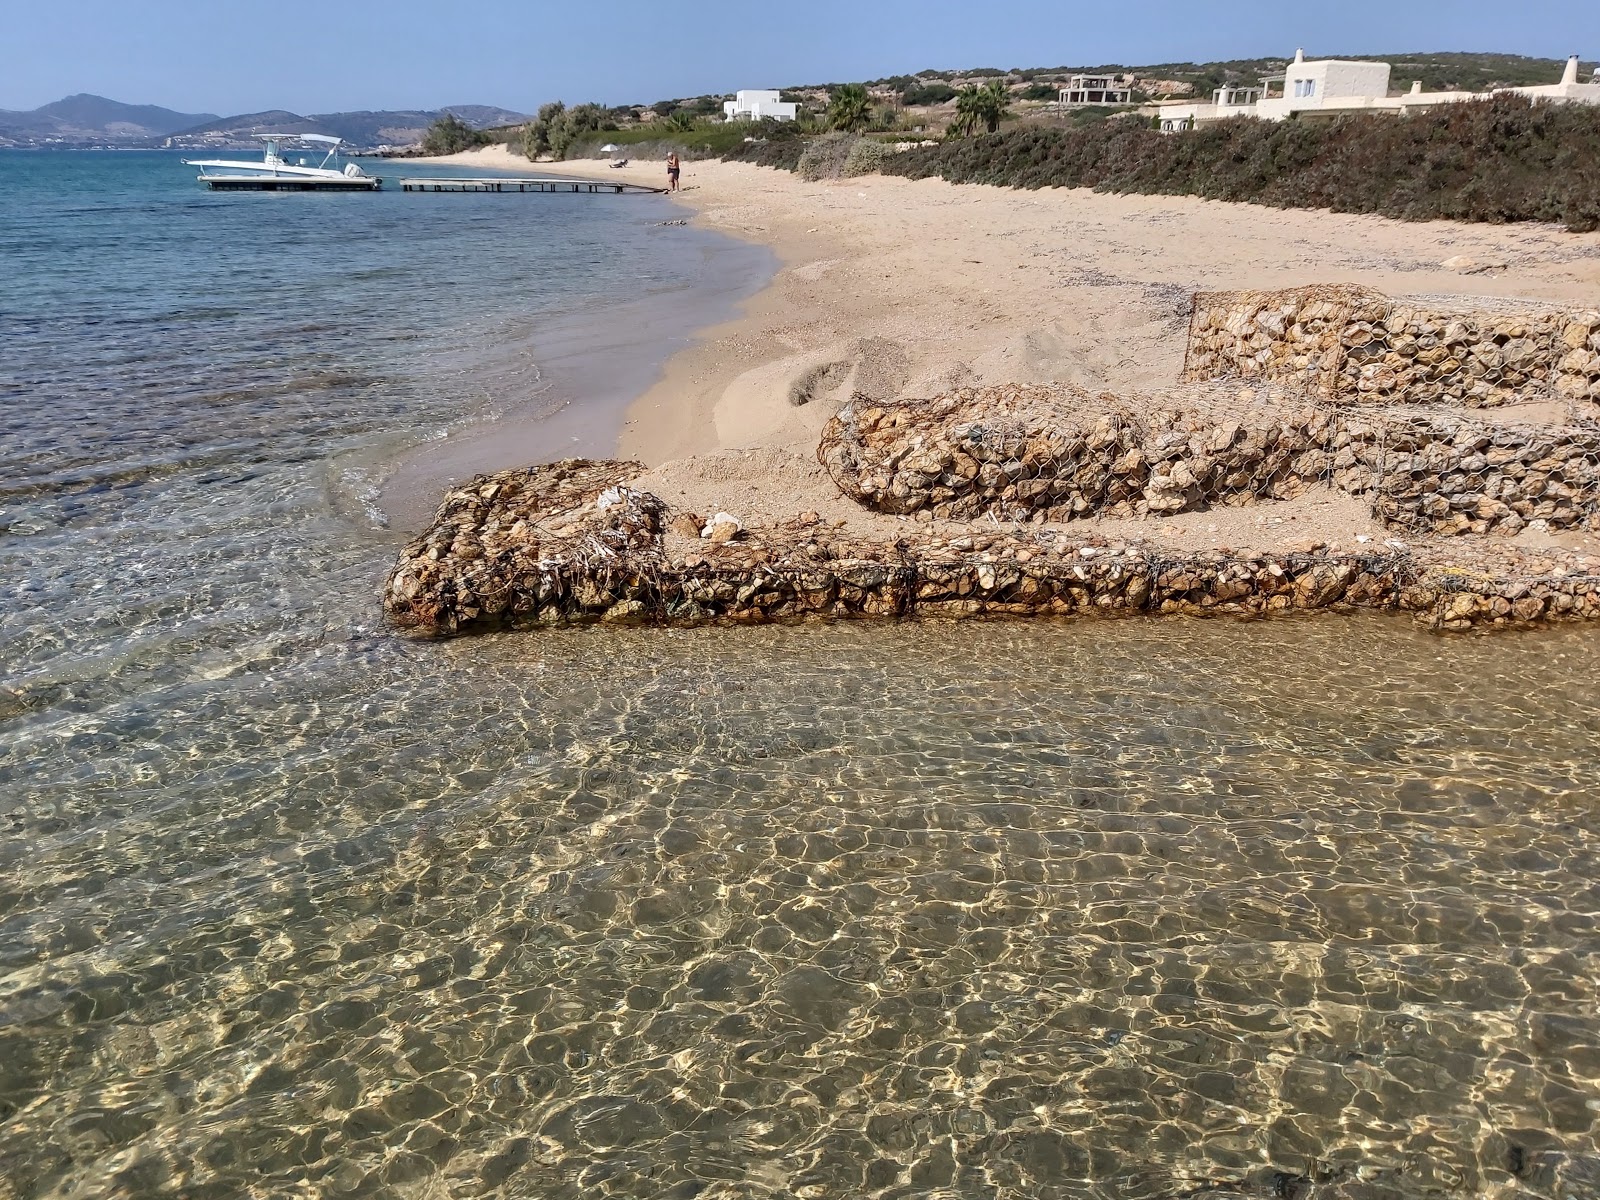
<point x="327" y="139"/>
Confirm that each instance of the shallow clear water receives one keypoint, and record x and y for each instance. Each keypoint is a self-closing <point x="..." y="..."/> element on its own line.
<point x="1097" y="909"/>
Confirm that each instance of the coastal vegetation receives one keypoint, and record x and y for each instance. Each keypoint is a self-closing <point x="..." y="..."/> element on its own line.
<point x="451" y="135"/>
<point x="557" y="128"/>
<point x="849" y="108"/>
<point x="986" y="104"/>
<point x="1496" y="160"/>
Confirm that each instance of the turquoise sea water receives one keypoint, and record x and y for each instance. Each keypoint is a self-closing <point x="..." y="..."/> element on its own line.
<point x="289" y="906"/>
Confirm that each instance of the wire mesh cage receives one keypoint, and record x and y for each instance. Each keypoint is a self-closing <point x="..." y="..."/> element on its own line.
<point x="1348" y="343"/>
<point x="1052" y="453"/>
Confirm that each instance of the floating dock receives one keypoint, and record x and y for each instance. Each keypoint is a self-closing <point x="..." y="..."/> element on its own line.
<point x="583" y="186"/>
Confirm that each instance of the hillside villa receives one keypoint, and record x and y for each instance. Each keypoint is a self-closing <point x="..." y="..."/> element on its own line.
<point x="1334" y="87"/>
<point x="754" y="105"/>
<point x="1097" y="89"/>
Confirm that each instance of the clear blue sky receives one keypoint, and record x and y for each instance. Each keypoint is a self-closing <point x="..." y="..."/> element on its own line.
<point x="232" y="56"/>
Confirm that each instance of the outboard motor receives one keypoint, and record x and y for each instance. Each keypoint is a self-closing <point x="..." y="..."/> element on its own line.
<point x="354" y="171"/>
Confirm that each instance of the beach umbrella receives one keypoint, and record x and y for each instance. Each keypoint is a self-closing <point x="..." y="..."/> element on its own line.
<point x="608" y="148"/>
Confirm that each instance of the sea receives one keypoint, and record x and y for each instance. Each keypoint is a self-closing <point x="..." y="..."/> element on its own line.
<point x="293" y="906"/>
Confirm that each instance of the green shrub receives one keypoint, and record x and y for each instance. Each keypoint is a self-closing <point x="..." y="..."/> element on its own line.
<point x="824" y="157"/>
<point x="711" y="140"/>
<point x="784" y="154"/>
<point x="451" y="135"/>
<point x="927" y="93"/>
<point x="866" y="157"/>
<point x="1495" y="160"/>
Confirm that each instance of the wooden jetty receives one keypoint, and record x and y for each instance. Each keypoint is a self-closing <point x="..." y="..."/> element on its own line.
<point x="583" y="186"/>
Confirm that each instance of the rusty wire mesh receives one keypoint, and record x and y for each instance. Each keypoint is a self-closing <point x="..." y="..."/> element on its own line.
<point x="1053" y="453"/>
<point x="1357" y="345"/>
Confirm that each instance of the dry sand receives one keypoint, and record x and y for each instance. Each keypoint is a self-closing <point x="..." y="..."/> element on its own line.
<point x="899" y="288"/>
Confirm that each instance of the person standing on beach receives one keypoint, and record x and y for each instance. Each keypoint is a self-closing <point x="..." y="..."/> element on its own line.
<point x="672" y="170"/>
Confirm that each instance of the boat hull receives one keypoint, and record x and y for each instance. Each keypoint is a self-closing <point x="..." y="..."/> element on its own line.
<point x="290" y="183"/>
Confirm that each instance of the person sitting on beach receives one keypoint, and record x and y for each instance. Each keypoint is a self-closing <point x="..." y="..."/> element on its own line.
<point x="672" y="170"/>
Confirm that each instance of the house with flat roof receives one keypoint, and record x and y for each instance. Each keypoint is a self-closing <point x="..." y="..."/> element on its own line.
<point x="757" y="105"/>
<point x="1333" y="87"/>
<point x="1096" y="89"/>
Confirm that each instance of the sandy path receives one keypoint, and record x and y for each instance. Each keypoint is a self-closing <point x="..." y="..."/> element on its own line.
<point x="894" y="287"/>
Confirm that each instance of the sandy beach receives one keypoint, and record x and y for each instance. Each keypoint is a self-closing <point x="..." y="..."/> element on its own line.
<point x="896" y="288"/>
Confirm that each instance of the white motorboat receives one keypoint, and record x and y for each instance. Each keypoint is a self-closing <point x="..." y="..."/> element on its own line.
<point x="275" y="173"/>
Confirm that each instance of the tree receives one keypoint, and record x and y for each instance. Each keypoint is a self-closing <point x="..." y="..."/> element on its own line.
<point x="536" y="134"/>
<point x="681" y="120"/>
<point x="451" y="135"/>
<point x="849" y="108"/>
<point x="987" y="106"/>
<point x="927" y="93"/>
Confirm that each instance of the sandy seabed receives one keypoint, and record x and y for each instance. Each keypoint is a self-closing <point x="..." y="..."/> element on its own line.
<point x="897" y="288"/>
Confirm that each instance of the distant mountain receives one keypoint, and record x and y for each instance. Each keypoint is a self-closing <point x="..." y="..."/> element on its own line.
<point x="365" y="129"/>
<point x="86" y="119"/>
<point x="247" y="125"/>
<point x="485" y="116"/>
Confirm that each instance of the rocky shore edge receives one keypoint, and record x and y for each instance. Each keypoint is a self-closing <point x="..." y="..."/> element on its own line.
<point x="573" y="543"/>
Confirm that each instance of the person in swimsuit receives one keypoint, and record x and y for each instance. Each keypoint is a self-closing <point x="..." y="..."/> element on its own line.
<point x="672" y="171"/>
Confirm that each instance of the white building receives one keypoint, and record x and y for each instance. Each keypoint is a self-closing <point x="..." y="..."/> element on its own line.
<point x="1097" y="89"/>
<point x="755" y="105"/>
<point x="1335" y="87"/>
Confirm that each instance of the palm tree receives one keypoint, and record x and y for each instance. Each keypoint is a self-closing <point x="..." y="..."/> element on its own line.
<point x="994" y="103"/>
<point x="849" y="108"/>
<point x="967" y="102"/>
<point x="987" y="106"/>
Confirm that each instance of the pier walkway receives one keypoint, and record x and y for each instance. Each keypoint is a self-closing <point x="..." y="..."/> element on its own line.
<point x="583" y="186"/>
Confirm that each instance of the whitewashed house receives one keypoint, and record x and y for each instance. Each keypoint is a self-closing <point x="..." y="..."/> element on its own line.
<point x="1335" y="87"/>
<point x="756" y="105"/>
<point x="1096" y="89"/>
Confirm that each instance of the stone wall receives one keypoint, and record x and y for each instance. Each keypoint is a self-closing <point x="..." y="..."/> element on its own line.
<point x="1446" y="474"/>
<point x="1052" y="453"/>
<point x="572" y="543"/>
<point x="1342" y="342"/>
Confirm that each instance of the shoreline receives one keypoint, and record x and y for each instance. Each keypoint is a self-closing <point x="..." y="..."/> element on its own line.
<point x="891" y="288"/>
<point x="589" y="367"/>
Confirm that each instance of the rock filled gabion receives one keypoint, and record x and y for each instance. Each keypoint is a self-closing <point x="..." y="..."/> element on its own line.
<point x="1453" y="475"/>
<point x="1055" y="453"/>
<point x="508" y="544"/>
<point x="1358" y="345"/>
<point x="1052" y="453"/>
<point x="1293" y="337"/>
<point x="572" y="543"/>
<point x="1578" y="368"/>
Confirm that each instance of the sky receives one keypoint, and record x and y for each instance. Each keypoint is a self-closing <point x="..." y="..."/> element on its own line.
<point x="236" y="56"/>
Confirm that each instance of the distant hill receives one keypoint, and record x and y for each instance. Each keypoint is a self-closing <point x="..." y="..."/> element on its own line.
<point x="362" y="130"/>
<point x="484" y="116"/>
<point x="405" y="127"/>
<point x="245" y="126"/>
<point x="1436" y="70"/>
<point x="85" y="120"/>
<point x="88" y="119"/>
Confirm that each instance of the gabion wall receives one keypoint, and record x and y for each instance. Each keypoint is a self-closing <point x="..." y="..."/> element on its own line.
<point x="1356" y="344"/>
<point x="1054" y="453"/>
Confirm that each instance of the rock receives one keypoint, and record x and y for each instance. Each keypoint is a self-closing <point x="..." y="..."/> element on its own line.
<point x="686" y="524"/>
<point x="625" y="612"/>
<point x="723" y="527"/>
